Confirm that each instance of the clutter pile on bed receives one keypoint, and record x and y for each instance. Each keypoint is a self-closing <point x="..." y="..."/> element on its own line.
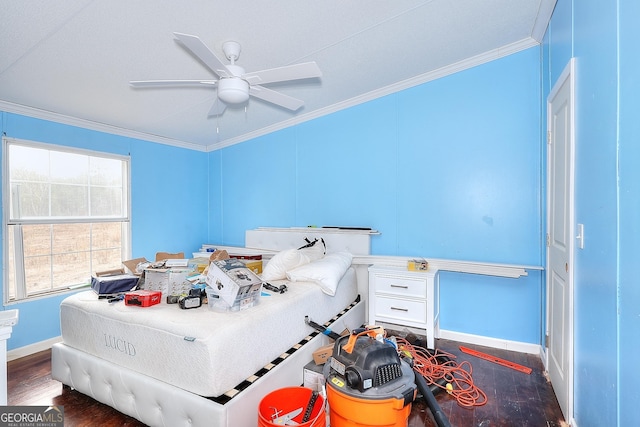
<point x="209" y="364"/>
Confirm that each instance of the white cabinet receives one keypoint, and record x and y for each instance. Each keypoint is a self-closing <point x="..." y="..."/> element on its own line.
<point x="403" y="297"/>
<point x="8" y="319"/>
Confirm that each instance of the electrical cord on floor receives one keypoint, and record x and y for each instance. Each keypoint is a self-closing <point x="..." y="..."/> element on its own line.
<point x="458" y="381"/>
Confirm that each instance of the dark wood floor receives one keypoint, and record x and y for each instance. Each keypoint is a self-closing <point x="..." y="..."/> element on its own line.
<point x="513" y="398"/>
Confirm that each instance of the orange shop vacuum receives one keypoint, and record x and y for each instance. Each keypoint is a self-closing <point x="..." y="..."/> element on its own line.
<point x="367" y="383"/>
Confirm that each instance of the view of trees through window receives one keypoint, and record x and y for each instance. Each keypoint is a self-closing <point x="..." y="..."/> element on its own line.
<point x="67" y="217"/>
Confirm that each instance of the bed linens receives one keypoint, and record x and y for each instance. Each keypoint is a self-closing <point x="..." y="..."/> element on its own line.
<point x="283" y="261"/>
<point x="199" y="350"/>
<point x="325" y="272"/>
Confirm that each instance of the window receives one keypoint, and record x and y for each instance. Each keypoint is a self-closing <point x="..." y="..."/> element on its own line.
<point x="66" y="216"/>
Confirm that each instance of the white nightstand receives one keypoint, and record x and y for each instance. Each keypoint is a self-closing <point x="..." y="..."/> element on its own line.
<point x="403" y="297"/>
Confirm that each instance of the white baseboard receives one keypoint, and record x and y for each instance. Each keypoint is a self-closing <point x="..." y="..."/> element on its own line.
<point x="521" y="347"/>
<point x="518" y="346"/>
<point x="543" y="357"/>
<point x="27" y="350"/>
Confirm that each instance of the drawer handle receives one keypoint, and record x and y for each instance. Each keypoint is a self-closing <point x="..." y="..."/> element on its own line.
<point x="400" y="286"/>
<point x="399" y="309"/>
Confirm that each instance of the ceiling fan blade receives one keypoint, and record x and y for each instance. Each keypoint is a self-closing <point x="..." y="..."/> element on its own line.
<point x="305" y="70"/>
<point x="199" y="49"/>
<point x="217" y="108"/>
<point x="172" y="83"/>
<point x="274" y="97"/>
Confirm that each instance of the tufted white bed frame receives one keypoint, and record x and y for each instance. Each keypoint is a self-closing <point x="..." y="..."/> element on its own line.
<point x="157" y="403"/>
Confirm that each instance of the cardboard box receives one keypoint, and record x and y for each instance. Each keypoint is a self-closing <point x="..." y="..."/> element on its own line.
<point x="198" y="264"/>
<point x="253" y="265"/>
<point x="169" y="255"/>
<point x="131" y="265"/>
<point x="169" y="281"/>
<point x="137" y="265"/>
<point x="321" y="355"/>
<point x="313" y="376"/>
<point x="113" y="272"/>
<point x="241" y="302"/>
<point x="253" y="262"/>
<point x="231" y="279"/>
<point x="417" y="265"/>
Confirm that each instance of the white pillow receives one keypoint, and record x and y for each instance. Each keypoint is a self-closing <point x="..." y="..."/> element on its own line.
<point x="315" y="251"/>
<point x="325" y="272"/>
<point x="283" y="261"/>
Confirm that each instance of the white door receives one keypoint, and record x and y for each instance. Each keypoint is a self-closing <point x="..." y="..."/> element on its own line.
<point x="560" y="238"/>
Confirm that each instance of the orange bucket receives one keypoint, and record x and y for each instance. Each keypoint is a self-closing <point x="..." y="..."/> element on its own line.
<point x="289" y="401"/>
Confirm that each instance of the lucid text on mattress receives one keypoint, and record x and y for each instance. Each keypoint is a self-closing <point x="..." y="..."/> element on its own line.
<point x="119" y="344"/>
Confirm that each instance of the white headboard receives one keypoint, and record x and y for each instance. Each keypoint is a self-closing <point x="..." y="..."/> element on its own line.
<point x="357" y="242"/>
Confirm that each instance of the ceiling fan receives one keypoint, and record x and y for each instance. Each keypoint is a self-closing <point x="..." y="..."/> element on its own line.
<point x="234" y="86"/>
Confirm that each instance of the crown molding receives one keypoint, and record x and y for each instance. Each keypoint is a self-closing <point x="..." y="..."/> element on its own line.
<point x="388" y="90"/>
<point x="37" y="113"/>
<point x="542" y="20"/>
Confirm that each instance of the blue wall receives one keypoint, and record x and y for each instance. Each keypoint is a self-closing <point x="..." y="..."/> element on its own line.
<point x="603" y="38"/>
<point x="169" y="204"/>
<point x="629" y="219"/>
<point x="448" y="169"/>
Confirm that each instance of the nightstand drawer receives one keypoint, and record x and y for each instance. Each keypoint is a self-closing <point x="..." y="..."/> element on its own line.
<point x="401" y="309"/>
<point x="401" y="286"/>
<point x="406" y="298"/>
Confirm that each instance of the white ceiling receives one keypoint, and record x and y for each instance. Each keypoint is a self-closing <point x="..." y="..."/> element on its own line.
<point x="71" y="61"/>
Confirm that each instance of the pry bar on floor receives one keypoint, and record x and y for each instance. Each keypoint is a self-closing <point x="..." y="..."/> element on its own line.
<point x="494" y="359"/>
<point x="321" y="328"/>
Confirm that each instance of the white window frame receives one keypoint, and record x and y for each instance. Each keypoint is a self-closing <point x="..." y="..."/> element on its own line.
<point x="21" y="289"/>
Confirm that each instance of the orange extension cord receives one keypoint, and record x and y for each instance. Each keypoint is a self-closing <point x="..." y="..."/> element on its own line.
<point x="457" y="376"/>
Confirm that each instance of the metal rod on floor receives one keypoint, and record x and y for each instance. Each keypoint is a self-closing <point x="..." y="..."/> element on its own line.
<point x="321" y="328"/>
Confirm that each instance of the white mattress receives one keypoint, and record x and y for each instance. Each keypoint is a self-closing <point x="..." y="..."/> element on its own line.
<point x="199" y="350"/>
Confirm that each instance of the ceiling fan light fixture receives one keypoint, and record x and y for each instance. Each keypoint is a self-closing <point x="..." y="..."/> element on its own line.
<point x="233" y="90"/>
<point x="234" y="87"/>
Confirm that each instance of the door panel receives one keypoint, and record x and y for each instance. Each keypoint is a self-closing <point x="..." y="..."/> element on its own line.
<point x="560" y="233"/>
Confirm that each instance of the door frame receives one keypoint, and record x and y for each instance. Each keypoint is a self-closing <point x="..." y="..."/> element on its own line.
<point x="568" y="75"/>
